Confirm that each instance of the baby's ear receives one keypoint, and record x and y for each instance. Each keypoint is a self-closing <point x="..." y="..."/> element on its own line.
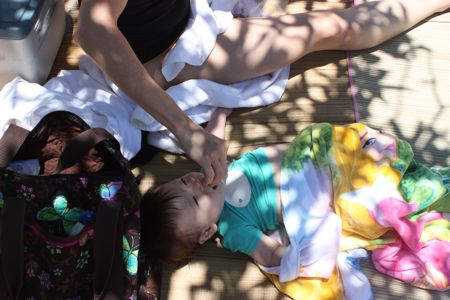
<point x="207" y="233"/>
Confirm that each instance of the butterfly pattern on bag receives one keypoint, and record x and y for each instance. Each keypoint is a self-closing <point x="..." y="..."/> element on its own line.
<point x="70" y="216"/>
<point x="60" y="211"/>
<point x="110" y="190"/>
<point x="130" y="255"/>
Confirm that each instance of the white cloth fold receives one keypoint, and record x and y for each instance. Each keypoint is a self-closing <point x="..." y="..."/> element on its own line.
<point x="356" y="284"/>
<point x="189" y="49"/>
<point x="312" y="227"/>
<point x="314" y="232"/>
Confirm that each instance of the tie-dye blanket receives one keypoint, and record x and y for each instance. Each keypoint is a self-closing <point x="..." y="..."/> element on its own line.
<point x="385" y="201"/>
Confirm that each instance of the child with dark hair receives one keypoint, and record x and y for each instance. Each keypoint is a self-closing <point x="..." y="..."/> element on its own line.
<point x="333" y="188"/>
<point x="166" y="240"/>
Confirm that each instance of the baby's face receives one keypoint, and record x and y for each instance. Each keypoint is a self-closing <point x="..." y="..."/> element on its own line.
<point x="378" y="145"/>
<point x="200" y="205"/>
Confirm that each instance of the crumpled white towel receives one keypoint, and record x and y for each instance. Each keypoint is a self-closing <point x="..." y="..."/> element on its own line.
<point x="199" y="98"/>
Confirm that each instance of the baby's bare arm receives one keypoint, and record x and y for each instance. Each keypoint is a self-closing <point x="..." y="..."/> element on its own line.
<point x="268" y="252"/>
<point x="217" y="122"/>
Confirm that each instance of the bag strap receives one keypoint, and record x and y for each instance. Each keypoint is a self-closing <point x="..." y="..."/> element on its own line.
<point x="10" y="143"/>
<point x="11" y="245"/>
<point x="77" y="147"/>
<point x="108" y="263"/>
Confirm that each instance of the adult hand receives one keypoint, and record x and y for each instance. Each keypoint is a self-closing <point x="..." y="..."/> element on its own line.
<point x="209" y="151"/>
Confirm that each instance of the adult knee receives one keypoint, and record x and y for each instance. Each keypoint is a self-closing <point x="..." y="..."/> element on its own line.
<point x="331" y="31"/>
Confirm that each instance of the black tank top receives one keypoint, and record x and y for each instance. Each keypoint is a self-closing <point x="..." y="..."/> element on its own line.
<point x="151" y="26"/>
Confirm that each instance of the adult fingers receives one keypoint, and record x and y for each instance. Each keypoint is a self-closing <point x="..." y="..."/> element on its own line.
<point x="215" y="171"/>
<point x="209" y="151"/>
<point x="220" y="171"/>
<point x="208" y="171"/>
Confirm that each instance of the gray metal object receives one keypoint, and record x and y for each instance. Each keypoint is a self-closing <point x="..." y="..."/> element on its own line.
<point x="31" y="32"/>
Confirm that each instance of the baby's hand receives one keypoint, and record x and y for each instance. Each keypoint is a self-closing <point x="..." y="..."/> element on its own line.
<point x="223" y="110"/>
<point x="217" y="122"/>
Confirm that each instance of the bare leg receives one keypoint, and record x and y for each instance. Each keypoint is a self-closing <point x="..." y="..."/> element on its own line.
<point x="257" y="46"/>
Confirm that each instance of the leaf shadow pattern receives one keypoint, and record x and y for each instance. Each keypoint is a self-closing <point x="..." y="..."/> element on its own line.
<point x="401" y="87"/>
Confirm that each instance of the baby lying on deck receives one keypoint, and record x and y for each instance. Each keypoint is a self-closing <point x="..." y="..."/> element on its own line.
<point x="332" y="189"/>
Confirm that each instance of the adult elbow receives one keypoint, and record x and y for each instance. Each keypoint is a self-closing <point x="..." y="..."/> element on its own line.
<point x="89" y="29"/>
<point x="83" y="33"/>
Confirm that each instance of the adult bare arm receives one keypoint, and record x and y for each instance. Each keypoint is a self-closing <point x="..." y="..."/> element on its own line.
<point x="100" y="37"/>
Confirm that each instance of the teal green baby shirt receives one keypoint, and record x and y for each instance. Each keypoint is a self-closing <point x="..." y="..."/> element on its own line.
<point x="243" y="221"/>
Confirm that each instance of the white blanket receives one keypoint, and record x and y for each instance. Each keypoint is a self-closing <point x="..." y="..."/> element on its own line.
<point x="311" y="225"/>
<point x="91" y="95"/>
<point x="314" y="232"/>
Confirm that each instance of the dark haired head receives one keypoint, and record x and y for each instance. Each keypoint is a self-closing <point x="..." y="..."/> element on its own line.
<point x="162" y="240"/>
